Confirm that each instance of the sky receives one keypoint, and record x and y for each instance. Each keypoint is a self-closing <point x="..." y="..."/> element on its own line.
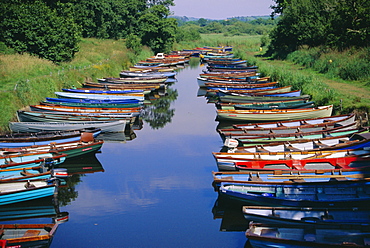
<point x="221" y="9"/>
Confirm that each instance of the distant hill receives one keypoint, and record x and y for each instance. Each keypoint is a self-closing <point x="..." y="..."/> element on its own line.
<point x="241" y="18"/>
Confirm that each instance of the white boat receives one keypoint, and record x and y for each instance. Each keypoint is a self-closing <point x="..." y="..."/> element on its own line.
<point x="105" y="126"/>
<point x="97" y="96"/>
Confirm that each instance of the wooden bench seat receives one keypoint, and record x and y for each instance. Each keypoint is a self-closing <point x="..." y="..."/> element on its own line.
<point x="31" y="233"/>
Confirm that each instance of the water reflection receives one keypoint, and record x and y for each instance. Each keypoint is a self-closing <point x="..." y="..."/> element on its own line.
<point x="42" y="208"/>
<point x="77" y="168"/>
<point x="159" y="113"/>
<point x="231" y="215"/>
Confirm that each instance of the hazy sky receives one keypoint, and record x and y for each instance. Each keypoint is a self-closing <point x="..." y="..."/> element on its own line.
<point x="221" y="9"/>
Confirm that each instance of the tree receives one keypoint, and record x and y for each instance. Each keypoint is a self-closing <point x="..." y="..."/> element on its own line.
<point x="35" y="28"/>
<point x="157" y="31"/>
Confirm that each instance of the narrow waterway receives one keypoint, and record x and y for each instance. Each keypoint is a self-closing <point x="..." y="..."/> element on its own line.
<point x="156" y="189"/>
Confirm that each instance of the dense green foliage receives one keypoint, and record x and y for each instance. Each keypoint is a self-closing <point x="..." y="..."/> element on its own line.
<point x="348" y="65"/>
<point x="33" y="27"/>
<point x="51" y="29"/>
<point x="156" y="30"/>
<point x="337" y="24"/>
<point x="230" y="27"/>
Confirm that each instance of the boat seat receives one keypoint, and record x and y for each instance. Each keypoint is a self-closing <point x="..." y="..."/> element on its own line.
<point x="31" y="233"/>
<point x="320" y="144"/>
<point x="26" y="173"/>
<point x="291" y="148"/>
<point x="270" y="232"/>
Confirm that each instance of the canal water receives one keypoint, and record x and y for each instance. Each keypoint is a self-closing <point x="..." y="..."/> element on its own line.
<point x="155" y="190"/>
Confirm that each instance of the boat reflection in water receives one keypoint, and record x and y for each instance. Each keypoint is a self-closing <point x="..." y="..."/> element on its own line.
<point x="41" y="208"/>
<point x="84" y="164"/>
<point x="15" y="219"/>
<point x="232" y="218"/>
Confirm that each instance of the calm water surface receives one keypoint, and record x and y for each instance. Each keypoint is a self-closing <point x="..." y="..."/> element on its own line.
<point x="155" y="189"/>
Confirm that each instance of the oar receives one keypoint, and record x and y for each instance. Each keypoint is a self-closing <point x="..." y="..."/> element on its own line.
<point x="29" y="168"/>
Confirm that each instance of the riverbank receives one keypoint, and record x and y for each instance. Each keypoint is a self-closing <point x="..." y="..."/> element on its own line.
<point x="347" y="96"/>
<point x="27" y="80"/>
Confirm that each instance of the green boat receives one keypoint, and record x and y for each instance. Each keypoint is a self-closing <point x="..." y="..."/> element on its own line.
<point x="258" y="140"/>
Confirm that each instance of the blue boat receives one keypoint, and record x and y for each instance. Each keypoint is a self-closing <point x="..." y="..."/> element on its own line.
<point x="232" y="88"/>
<point x="103" y="91"/>
<point x="231" y="67"/>
<point x="93" y="101"/>
<point x="148" y="73"/>
<point x="97" y="96"/>
<point x="44" y="138"/>
<point x="45" y="160"/>
<point x="294" y="93"/>
<point x="32" y="173"/>
<point x="333" y="193"/>
<point x="20" y="191"/>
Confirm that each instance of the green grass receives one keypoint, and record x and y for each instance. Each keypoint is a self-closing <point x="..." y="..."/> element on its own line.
<point x="26" y="80"/>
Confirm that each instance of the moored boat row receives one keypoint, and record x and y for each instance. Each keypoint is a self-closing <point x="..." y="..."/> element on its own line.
<point x="299" y="173"/>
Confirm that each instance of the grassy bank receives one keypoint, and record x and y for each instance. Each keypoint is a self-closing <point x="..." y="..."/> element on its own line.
<point x="27" y="79"/>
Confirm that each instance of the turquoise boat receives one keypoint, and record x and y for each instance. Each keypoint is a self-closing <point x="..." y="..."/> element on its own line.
<point x="47" y="160"/>
<point x="20" y="191"/>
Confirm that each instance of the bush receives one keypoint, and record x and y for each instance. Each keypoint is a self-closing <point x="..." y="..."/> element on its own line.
<point x="133" y="42"/>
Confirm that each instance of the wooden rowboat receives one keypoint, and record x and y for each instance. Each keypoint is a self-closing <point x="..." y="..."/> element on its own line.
<point x="134" y="80"/>
<point x="44" y="138"/>
<point x="46" y="160"/>
<point x="62" y="108"/>
<point x="269" y="235"/>
<point x="124" y="86"/>
<point x="92" y="105"/>
<point x="97" y="96"/>
<point x="105" y="126"/>
<point x="339" y="119"/>
<point x="19" y="191"/>
<point x="38" y="116"/>
<point x="87" y="144"/>
<point x="262" y="98"/>
<point x="289" y="127"/>
<point x="337" y="193"/>
<point x="274" y="115"/>
<point x="27" y="235"/>
<point x="307" y="216"/>
<point x="355" y="141"/>
<point x="93" y="101"/>
<point x="291" y="160"/>
<point x="278" y="138"/>
<point x="288" y="132"/>
<point x="290" y="176"/>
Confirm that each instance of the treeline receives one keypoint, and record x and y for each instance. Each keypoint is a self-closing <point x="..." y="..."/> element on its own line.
<point x="52" y="29"/>
<point x="333" y="24"/>
<point x="229" y="27"/>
